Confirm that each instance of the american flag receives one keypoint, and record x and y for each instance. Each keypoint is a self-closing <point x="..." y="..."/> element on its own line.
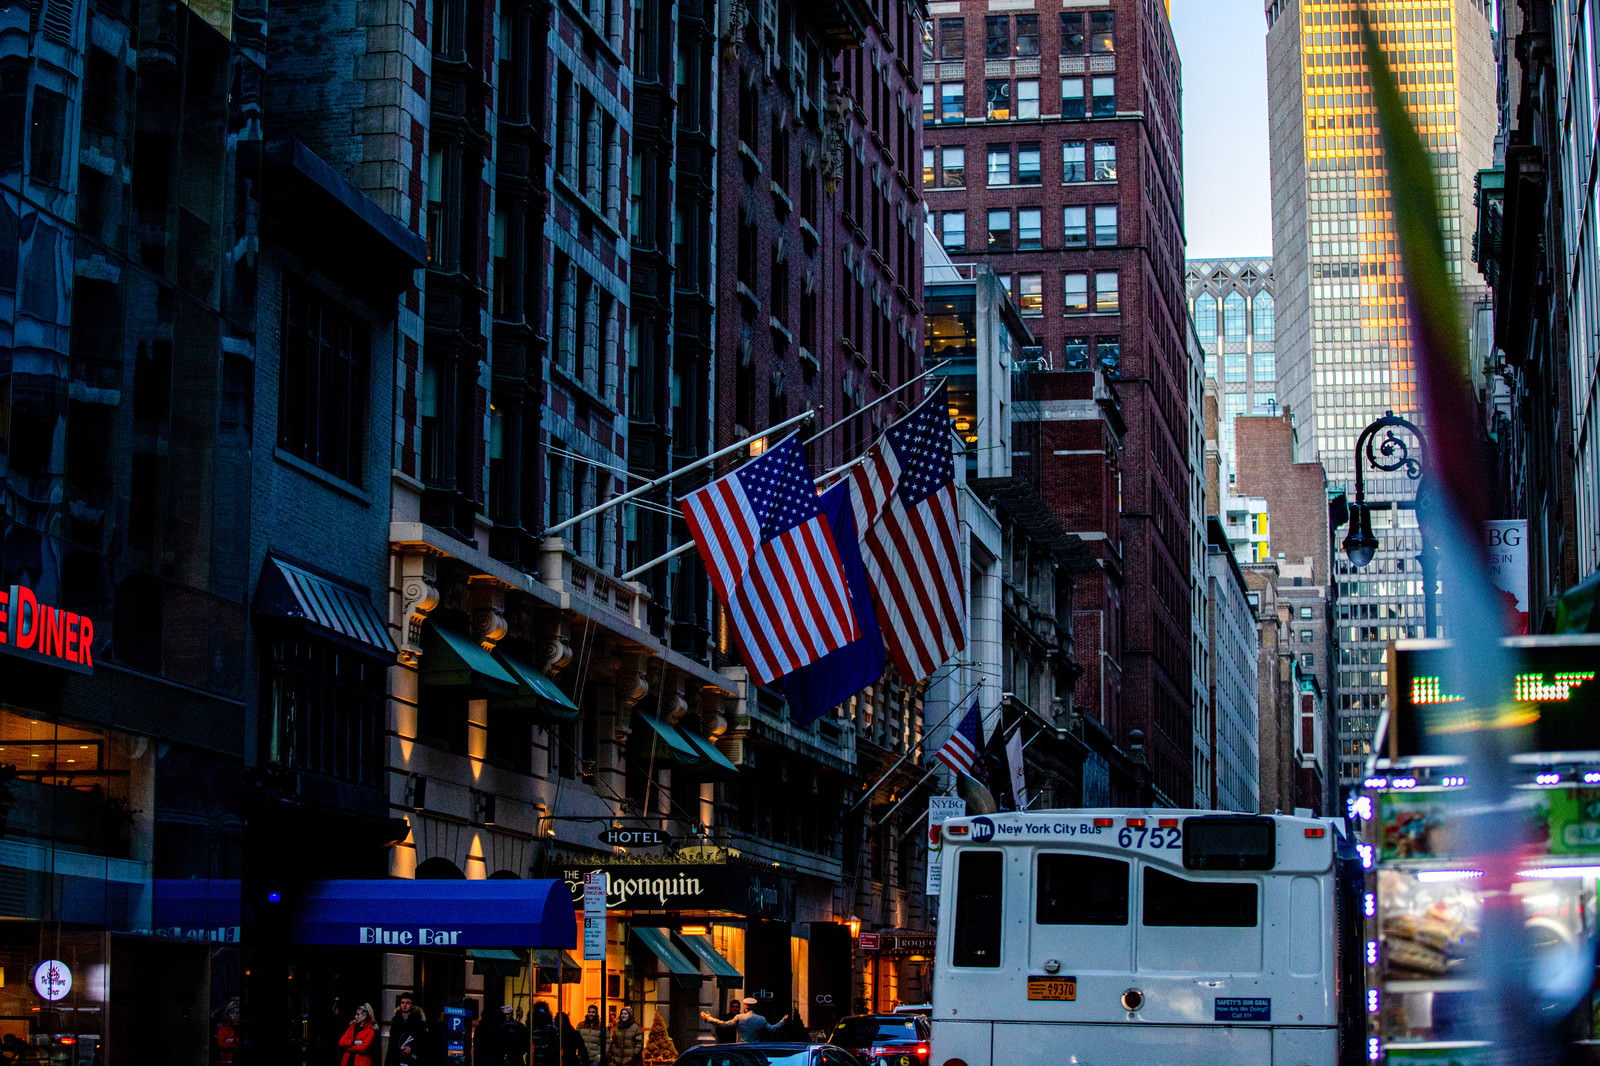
<point x="770" y="552"/>
<point x="906" y="512"/>
<point x="960" y="752"/>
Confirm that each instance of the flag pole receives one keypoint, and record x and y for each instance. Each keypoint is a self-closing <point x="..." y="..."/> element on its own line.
<point x="898" y="388"/>
<point x="866" y="795"/>
<point x="551" y="531"/>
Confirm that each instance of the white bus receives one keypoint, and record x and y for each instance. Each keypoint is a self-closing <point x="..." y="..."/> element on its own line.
<point x="1148" y="937"/>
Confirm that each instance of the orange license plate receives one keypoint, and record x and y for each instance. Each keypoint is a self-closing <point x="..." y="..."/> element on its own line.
<point x="1057" y="988"/>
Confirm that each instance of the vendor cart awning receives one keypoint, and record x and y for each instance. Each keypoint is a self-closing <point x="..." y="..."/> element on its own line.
<point x="406" y="915"/>
<point x="657" y="940"/>
<point x="727" y="975"/>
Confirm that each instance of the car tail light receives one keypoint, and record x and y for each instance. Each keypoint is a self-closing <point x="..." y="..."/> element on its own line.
<point x="922" y="1051"/>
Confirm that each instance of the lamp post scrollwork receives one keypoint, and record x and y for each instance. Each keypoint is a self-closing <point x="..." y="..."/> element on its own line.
<point x="1382" y="448"/>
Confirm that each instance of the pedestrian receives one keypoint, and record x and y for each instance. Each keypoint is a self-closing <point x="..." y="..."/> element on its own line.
<point x="360" y="1038"/>
<point x="228" y="1037"/>
<point x="408" y="1034"/>
<point x="544" y="1035"/>
<point x="574" y="1052"/>
<point x="625" y="1046"/>
<point x="726" y="1034"/>
<point x="591" y="1030"/>
<point x="749" y="1027"/>
<point x="502" y="1040"/>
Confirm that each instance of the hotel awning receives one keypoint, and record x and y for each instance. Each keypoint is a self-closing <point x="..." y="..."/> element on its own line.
<point x="536" y="693"/>
<point x="550" y="960"/>
<point x="454" y="660"/>
<point x="713" y="758"/>
<point x="724" y="971"/>
<point x="661" y="947"/>
<point x="329" y="609"/>
<point x="405" y="915"/>
<point x="671" y="740"/>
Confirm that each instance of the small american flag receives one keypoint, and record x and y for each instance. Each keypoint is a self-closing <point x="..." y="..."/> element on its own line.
<point x="906" y="511"/>
<point x="772" y="560"/>
<point x="960" y="752"/>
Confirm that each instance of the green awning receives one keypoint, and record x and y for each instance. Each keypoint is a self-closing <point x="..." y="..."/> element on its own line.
<point x="727" y="976"/>
<point x="454" y="660"/>
<point x="674" y="960"/>
<point x="495" y="962"/>
<point x="549" y="960"/>
<point x="671" y="741"/>
<point x="536" y="693"/>
<point x="708" y="751"/>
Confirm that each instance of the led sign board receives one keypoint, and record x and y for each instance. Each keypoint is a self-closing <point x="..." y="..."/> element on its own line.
<point x="43" y="632"/>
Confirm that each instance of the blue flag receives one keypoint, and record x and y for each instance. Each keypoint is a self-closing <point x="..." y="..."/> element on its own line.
<point x="813" y="690"/>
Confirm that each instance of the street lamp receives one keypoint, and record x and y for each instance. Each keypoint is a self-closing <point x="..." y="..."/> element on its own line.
<point x="1388" y="453"/>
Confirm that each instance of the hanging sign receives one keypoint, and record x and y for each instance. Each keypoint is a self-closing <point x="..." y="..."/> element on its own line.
<point x="52" y="980"/>
<point x="634" y="838"/>
<point x="594" y="917"/>
<point x="940" y="808"/>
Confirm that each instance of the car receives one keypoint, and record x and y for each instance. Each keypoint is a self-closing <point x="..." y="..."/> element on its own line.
<point x="884" y="1039"/>
<point x="913" y="1008"/>
<point x="765" y="1054"/>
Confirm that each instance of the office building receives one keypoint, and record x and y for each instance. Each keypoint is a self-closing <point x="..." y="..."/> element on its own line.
<point x="1234" y="316"/>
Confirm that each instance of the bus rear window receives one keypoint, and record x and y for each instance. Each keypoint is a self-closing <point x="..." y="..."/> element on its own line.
<point x="1170" y="900"/>
<point x="978" y="900"/>
<point x="1229" y="844"/>
<point x="1080" y="890"/>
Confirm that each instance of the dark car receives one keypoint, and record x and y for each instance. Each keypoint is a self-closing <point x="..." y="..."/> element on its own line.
<point x="762" y="1054"/>
<point x="884" y="1039"/>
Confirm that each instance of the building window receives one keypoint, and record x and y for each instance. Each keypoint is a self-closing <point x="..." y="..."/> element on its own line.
<point x="1000" y="231"/>
<point x="1205" y="318"/>
<point x="1027" y="42"/>
<point x="1030" y="293"/>
<point x="1233" y="317"/>
<point x="1108" y="353"/>
<point x="327" y="710"/>
<point x="1029" y="228"/>
<point x="927" y="101"/>
<point x="1309" y="661"/>
<point x="1264" y="325"/>
<point x="997" y="99"/>
<point x="954" y="167"/>
<point x="1073" y="165"/>
<point x="930" y="175"/>
<point x="953" y="232"/>
<point x="952" y="101"/>
<point x="1106" y="298"/>
<point x="1105" y="225"/>
<point x="1102" y="35"/>
<point x="999" y="164"/>
<point x="1075" y="294"/>
<point x="1305" y="612"/>
<point x="1211" y="365"/>
<point x="1075" y="227"/>
<point x="1072" y="41"/>
<point x="997" y="37"/>
<point x="1028" y="164"/>
<point x="1075" y="353"/>
<point x="1071" y="97"/>
<point x="1105" y="95"/>
<point x="322" y="400"/>
<point x="1105" y="160"/>
<point x="1232" y="406"/>
<point x="952" y="38"/>
<point x="1266" y="368"/>
<point x="1233" y="364"/>
<point x="928" y="48"/>
<point x="1028" y="98"/>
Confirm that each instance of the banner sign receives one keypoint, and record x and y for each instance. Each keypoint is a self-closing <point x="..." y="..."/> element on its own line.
<point x="940" y="808"/>
<point x="1508" y="570"/>
<point x="759" y="892"/>
<point x="594" y="917"/>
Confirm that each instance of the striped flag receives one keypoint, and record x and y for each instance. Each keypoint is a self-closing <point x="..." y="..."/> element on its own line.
<point x="961" y="751"/>
<point x="772" y="560"/>
<point x="906" y="512"/>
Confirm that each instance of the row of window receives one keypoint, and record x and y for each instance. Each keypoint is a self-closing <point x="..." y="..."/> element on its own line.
<point x="1236" y="366"/>
<point x="1027" y="289"/>
<point x="1027" y="223"/>
<point x="1008" y="98"/>
<point x="946" y="168"/>
<point x="1259" y="314"/>
<point x="1009" y="36"/>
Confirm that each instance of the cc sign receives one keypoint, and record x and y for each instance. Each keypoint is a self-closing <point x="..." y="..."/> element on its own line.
<point x="633" y="838"/>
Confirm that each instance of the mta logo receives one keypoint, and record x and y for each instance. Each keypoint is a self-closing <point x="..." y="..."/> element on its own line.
<point x="982" y="830"/>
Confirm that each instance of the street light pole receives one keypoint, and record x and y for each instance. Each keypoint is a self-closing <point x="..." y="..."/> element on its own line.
<point x="1390" y="453"/>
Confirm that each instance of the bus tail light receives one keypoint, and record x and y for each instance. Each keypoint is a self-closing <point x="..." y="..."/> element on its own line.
<point x="1135" y="823"/>
<point x="1103" y="823"/>
<point x="1316" y="831"/>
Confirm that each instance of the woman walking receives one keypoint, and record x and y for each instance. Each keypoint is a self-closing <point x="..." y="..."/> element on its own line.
<point x="359" y="1038"/>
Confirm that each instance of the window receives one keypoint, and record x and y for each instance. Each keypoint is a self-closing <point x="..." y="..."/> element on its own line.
<point x="1261" y="308"/>
<point x="1308" y="660"/>
<point x="1177" y="901"/>
<point x="953" y="233"/>
<point x="1205" y="318"/>
<point x="1072" y="41"/>
<point x="1075" y="293"/>
<point x="1106" y="300"/>
<point x="1080" y="890"/>
<point x="1306" y="612"/>
<point x="927" y="101"/>
<point x="1000" y="231"/>
<point x="1233" y="364"/>
<point x="327" y="709"/>
<point x="952" y="101"/>
<point x="997" y="37"/>
<point x="1030" y="293"/>
<point x="1028" y="164"/>
<point x="1071" y="97"/>
<point x="975" y="941"/>
<point x="952" y="38"/>
<point x="928" y="49"/>
<point x="1073" y="166"/>
<point x="999" y="164"/>
<point x="1108" y="353"/>
<point x="1105" y="95"/>
<point x="997" y="99"/>
<point x="1027" y="42"/>
<point x="1233" y="317"/>
<point x="1075" y="353"/>
<point x="1102" y="35"/>
<point x="930" y="175"/>
<point x="1232" y="406"/>
<point x="1266" y="368"/>
<point x="1105" y="160"/>
<point x="954" y="168"/>
<point x="1105" y="225"/>
<point x="1029" y="228"/>
<point x="1211" y="365"/>
<point x="1028" y="98"/>
<point x="1307" y="637"/>
<point x="322" y="399"/>
<point x="1075" y="227"/>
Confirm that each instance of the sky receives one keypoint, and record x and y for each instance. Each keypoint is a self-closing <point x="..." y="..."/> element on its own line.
<point x="1227" y="194"/>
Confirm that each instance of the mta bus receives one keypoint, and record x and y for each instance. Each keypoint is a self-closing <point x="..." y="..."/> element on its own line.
<point x="1148" y="937"/>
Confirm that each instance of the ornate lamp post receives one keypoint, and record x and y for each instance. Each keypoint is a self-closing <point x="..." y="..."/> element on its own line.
<point x="1389" y="453"/>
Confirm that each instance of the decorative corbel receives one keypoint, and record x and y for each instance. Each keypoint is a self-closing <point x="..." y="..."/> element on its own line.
<point x="733" y="39"/>
<point x="633" y="684"/>
<point x="675" y="705"/>
<point x="554" y="643"/>
<point x="486" y="606"/>
<point x="712" y="720"/>
<point x="419" y="594"/>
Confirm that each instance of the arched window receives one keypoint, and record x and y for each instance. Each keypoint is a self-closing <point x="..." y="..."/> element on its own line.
<point x="1233" y="318"/>
<point x="1264" y="325"/>
<point x="1205" y="318"/>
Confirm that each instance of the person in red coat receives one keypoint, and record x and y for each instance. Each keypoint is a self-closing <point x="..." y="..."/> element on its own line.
<point x="359" y="1038"/>
<point x="228" y="1033"/>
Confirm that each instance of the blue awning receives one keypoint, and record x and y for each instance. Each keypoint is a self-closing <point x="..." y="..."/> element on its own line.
<point x="332" y="610"/>
<point x="675" y="961"/>
<point x="405" y="915"/>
